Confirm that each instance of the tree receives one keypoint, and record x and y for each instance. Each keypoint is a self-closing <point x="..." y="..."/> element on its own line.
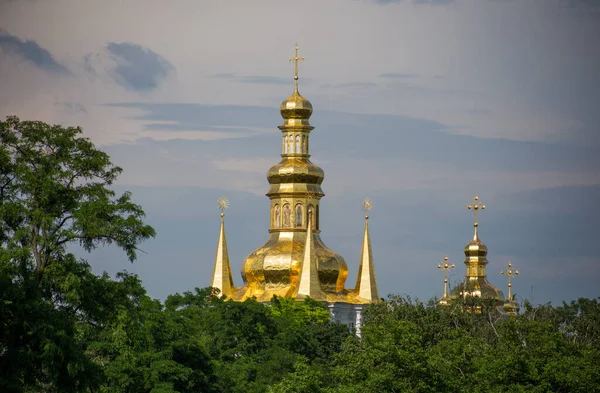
<point x="54" y="191"/>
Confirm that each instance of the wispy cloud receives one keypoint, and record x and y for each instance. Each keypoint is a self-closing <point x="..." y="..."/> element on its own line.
<point x="588" y="5"/>
<point x="258" y="79"/>
<point x="434" y="2"/>
<point x="32" y="52"/>
<point x="71" y="107"/>
<point x="430" y="2"/>
<point x="359" y="85"/>
<point x="398" y="76"/>
<point x="138" y="68"/>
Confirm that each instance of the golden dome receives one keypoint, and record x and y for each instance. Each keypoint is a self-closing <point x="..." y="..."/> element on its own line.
<point x="296" y="170"/>
<point x="511" y="308"/>
<point x="476" y="248"/>
<point x="296" y="107"/>
<point x="274" y="268"/>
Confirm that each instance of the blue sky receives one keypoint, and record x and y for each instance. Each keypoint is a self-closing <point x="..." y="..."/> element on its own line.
<point x="419" y="105"/>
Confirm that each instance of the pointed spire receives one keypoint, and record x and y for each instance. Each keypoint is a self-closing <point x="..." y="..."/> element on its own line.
<point x="221" y="277"/>
<point x="308" y="282"/>
<point x="366" y="282"/>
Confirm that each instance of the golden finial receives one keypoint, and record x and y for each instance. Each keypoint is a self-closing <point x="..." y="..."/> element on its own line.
<point x="296" y="59"/>
<point x="476" y="206"/>
<point x="509" y="272"/>
<point x="367" y="205"/>
<point x="445" y="267"/>
<point x="223" y="203"/>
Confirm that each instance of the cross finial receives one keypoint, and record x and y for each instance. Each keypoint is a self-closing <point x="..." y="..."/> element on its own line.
<point x="510" y="273"/>
<point x="223" y="204"/>
<point x="367" y="205"/>
<point x="476" y="206"/>
<point x="296" y="59"/>
<point x="446" y="266"/>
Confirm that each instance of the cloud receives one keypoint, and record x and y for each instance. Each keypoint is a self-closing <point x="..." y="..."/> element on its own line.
<point x="586" y="5"/>
<point x="398" y="76"/>
<point x="71" y="107"/>
<point x="434" y="2"/>
<point x="430" y="2"/>
<point x="138" y="68"/>
<point x="32" y="52"/>
<point x="258" y="79"/>
<point x="351" y="85"/>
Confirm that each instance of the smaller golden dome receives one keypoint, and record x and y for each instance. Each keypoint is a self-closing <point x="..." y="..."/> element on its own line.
<point x="511" y="307"/>
<point x="296" y="107"/>
<point x="476" y="248"/>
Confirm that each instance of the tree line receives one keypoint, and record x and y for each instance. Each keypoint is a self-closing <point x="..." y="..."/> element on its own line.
<point x="65" y="329"/>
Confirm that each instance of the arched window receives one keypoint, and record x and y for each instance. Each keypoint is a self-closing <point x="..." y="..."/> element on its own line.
<point x="298" y="144"/>
<point x="298" y="216"/>
<point x="285" y="144"/>
<point x="312" y="209"/>
<point x="304" y="150"/>
<point x="316" y="217"/>
<point x="290" y="143"/>
<point x="276" y="216"/>
<point x="287" y="216"/>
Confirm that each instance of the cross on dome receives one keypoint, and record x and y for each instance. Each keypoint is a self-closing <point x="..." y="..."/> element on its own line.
<point x="476" y="206"/>
<point x="296" y="59"/>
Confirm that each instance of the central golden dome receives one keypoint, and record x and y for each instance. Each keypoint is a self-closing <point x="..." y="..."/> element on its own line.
<point x="295" y="189"/>
<point x="294" y="262"/>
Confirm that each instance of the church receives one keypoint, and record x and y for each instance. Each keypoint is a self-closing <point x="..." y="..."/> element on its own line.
<point x="295" y="262"/>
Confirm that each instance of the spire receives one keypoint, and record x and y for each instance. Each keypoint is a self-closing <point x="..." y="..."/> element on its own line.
<point x="308" y="282"/>
<point x="366" y="282"/>
<point x="221" y="277"/>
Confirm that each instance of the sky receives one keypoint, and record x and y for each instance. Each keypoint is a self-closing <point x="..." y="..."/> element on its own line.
<point x="418" y="105"/>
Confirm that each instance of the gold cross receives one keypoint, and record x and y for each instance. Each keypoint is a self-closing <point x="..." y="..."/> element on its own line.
<point x="296" y="59"/>
<point x="445" y="266"/>
<point x="509" y="275"/>
<point x="476" y="206"/>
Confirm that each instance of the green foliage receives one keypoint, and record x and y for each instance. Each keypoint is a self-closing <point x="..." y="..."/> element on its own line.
<point x="414" y="347"/>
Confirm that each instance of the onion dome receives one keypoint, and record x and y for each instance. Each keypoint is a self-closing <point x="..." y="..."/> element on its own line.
<point x="296" y="110"/>
<point x="296" y="170"/>
<point x="476" y="248"/>
<point x="511" y="308"/>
